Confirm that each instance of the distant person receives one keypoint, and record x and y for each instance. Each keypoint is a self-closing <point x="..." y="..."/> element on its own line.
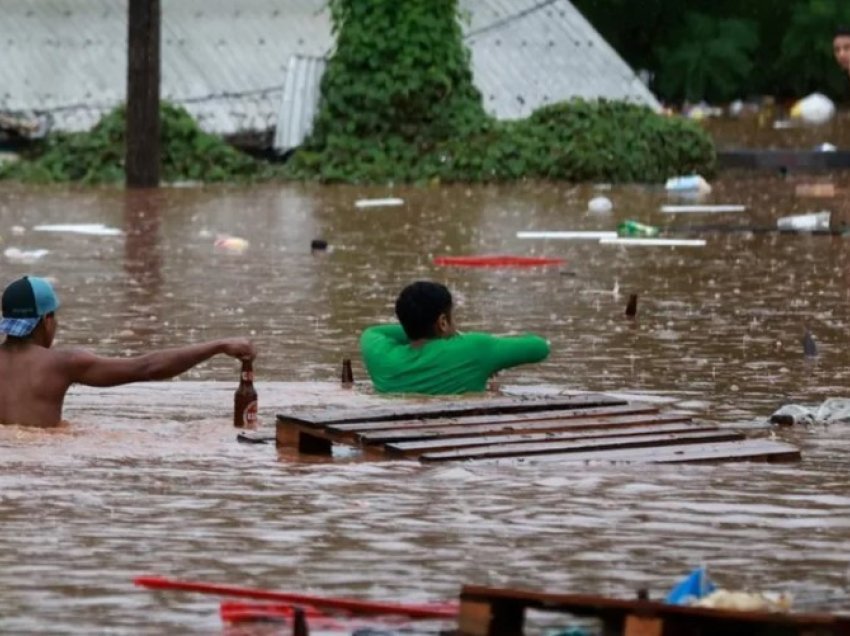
<point x="426" y="354"/>
<point x="34" y="378"/>
<point x="841" y="47"/>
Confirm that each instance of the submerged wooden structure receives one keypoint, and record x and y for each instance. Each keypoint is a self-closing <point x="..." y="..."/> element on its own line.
<point x="577" y="428"/>
<point x="501" y="612"/>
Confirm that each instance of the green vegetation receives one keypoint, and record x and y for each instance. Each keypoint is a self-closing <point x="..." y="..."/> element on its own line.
<point x="719" y="49"/>
<point x="398" y="104"/>
<point x="96" y="157"/>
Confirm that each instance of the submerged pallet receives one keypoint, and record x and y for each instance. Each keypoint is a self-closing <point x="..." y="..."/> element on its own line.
<point x="582" y="428"/>
<point x="501" y="612"/>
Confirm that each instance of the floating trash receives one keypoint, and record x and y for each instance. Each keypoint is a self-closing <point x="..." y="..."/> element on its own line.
<point x="631" y="307"/>
<point x="24" y="256"/>
<point x="805" y="222"/>
<point x="232" y="244"/>
<point x="816" y="109"/>
<point x="815" y="190"/>
<point x="18" y="230"/>
<point x="634" y="228"/>
<point x="600" y="205"/>
<point x="378" y="203"/>
<point x="690" y="184"/>
<point x="318" y="245"/>
<point x="496" y="261"/>
<point x="95" y="229"/>
<point x="810" y="349"/>
<point x="654" y="242"/>
<point x="568" y="235"/>
<point x="826" y="147"/>
<point x="697" y="209"/>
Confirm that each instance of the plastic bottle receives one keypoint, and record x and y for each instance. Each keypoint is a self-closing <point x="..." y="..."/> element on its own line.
<point x="245" y="399"/>
<point x="813" y="222"/>
<point x="633" y="228"/>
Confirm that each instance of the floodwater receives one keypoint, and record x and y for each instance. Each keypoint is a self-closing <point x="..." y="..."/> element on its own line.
<point x="150" y="479"/>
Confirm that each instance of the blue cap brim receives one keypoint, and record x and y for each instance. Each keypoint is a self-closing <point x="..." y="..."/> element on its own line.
<point x="18" y="327"/>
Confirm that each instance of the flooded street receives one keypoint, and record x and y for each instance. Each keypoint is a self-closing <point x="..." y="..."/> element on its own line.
<point x="141" y="485"/>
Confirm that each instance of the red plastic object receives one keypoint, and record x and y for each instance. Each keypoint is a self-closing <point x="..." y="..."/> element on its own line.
<point x="240" y="611"/>
<point x="421" y="610"/>
<point x="497" y="261"/>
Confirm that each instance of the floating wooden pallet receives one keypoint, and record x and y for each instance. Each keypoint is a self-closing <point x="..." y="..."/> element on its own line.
<point x="501" y="612"/>
<point x="583" y="428"/>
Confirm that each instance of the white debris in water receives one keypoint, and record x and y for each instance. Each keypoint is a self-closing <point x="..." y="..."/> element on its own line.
<point x="18" y="255"/>
<point x="378" y="203"/>
<point x="18" y="230"/>
<point x="600" y="205"/>
<point x="232" y="244"/>
<point x="95" y="229"/>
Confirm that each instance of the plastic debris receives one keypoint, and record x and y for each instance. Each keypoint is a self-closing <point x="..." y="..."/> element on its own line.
<point x="816" y="109"/>
<point x="18" y="230"/>
<point x="24" y="256"/>
<point x="378" y="203"/>
<point x="694" y="586"/>
<point x="697" y="209"/>
<point x="747" y="601"/>
<point x="630" y="227"/>
<point x="654" y="242"/>
<point x="95" y="229"/>
<point x="830" y="411"/>
<point x="693" y="184"/>
<point x="232" y="244"/>
<point x="631" y="307"/>
<point x="569" y="235"/>
<point x="600" y="205"/>
<point x="318" y="245"/>
<point x="810" y="349"/>
<point x="815" y="190"/>
<point x="826" y="147"/>
<point x="805" y="222"/>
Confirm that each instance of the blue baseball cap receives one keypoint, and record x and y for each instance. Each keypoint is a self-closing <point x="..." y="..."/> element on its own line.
<point x="25" y="302"/>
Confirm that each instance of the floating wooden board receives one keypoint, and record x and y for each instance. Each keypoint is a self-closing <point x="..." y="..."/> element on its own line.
<point x="501" y="612"/>
<point x="580" y="428"/>
<point x="440" y="408"/>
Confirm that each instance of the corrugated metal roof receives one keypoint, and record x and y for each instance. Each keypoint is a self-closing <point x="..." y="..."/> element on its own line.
<point x="227" y="61"/>
<point x="300" y="101"/>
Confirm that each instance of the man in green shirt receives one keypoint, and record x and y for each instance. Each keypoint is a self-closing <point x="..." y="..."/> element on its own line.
<point x="426" y="354"/>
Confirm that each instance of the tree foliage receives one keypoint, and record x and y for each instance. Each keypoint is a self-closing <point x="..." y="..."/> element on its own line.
<point x="717" y="49"/>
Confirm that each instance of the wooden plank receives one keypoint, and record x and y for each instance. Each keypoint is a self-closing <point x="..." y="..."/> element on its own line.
<point x="439" y="408"/>
<point x="409" y="435"/>
<point x="411" y="449"/>
<point x="744" y="450"/>
<point x="633" y="407"/>
<point x="602" y="443"/>
<point x="678" y="619"/>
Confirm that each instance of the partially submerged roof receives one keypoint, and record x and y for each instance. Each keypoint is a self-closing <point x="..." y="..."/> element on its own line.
<point x="228" y="62"/>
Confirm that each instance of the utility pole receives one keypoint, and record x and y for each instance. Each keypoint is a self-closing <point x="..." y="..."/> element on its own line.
<point x="142" y="135"/>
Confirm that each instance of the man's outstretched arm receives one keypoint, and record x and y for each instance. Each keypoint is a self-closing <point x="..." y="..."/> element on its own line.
<point x="92" y="370"/>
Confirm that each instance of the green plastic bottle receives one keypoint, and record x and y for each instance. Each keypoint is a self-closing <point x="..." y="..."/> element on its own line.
<point x="633" y="228"/>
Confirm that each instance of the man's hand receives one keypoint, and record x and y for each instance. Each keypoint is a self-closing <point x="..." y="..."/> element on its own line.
<point x="241" y="348"/>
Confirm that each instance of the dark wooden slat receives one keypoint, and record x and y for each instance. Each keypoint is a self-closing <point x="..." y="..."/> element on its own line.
<point x="678" y="619"/>
<point x="411" y="449"/>
<point x="363" y="427"/>
<point x="744" y="450"/>
<point x="410" y="435"/>
<point x="602" y="443"/>
<point x="439" y="408"/>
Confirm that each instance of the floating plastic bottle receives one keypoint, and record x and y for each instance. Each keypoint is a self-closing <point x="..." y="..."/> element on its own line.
<point x="689" y="184"/>
<point x="816" y="221"/>
<point x="633" y="228"/>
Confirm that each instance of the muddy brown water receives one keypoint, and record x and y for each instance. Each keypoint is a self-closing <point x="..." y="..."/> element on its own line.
<point x="147" y="484"/>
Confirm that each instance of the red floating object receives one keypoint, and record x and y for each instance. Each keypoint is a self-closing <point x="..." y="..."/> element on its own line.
<point x="497" y="261"/>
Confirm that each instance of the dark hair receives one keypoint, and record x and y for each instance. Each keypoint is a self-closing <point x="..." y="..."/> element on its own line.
<point x="842" y="31"/>
<point x="418" y="307"/>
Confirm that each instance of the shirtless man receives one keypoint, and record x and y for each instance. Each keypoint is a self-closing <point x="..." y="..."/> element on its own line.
<point x="841" y="47"/>
<point x="34" y="378"/>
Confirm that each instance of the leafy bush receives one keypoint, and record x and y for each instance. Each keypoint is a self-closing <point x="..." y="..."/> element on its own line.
<point x="398" y="105"/>
<point x="97" y="156"/>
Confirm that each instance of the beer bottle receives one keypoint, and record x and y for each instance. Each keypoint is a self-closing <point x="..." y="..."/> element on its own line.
<point x="245" y="399"/>
<point x="347" y="375"/>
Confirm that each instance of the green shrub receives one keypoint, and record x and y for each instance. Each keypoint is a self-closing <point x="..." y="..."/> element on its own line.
<point x="97" y="156"/>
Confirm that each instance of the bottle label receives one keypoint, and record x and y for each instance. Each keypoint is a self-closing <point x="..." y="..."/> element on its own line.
<point x="247" y="376"/>
<point x="249" y="415"/>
